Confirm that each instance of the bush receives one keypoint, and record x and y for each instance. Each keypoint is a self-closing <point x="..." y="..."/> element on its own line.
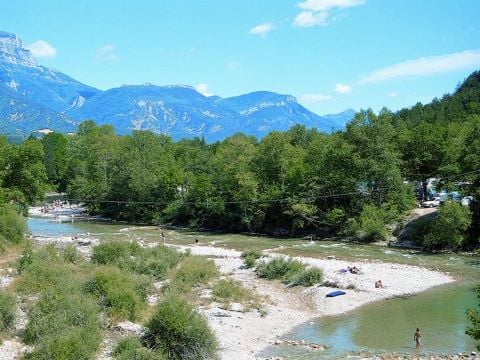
<point x="71" y="255"/>
<point x="64" y="324"/>
<point x="180" y="332"/>
<point x="250" y="257"/>
<point x="193" y="271"/>
<point x="280" y="269"/>
<point x="474" y="317"/>
<point x="43" y="269"/>
<point x="335" y="220"/>
<point x="12" y="226"/>
<point x="449" y="229"/>
<point x="251" y="253"/>
<point x="7" y="310"/>
<point x="371" y="224"/>
<point x="122" y="294"/>
<point x="308" y="277"/>
<point x="116" y="253"/>
<point x="130" y="348"/>
<point x="132" y="257"/>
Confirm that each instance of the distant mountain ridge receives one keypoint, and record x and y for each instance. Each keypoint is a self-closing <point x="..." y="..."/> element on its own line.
<point x="33" y="96"/>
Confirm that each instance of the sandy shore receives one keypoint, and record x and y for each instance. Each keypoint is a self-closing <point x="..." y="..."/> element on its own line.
<point x="244" y="335"/>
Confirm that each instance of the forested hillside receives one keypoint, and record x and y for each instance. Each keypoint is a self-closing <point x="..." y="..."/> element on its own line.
<point x="349" y="183"/>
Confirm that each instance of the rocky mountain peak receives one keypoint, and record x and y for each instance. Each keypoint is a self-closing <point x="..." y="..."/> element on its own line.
<point x="12" y="51"/>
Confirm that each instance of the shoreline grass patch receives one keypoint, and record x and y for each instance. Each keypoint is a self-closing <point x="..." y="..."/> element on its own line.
<point x="180" y="332"/>
<point x="7" y="311"/>
<point x="250" y="258"/>
<point x="131" y="348"/>
<point x="123" y="295"/>
<point x="131" y="257"/>
<point x="289" y="271"/>
<point x="64" y="324"/>
<point x="192" y="272"/>
<point x="227" y="291"/>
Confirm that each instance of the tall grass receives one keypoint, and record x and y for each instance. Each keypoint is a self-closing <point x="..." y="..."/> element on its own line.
<point x="7" y="310"/>
<point x="132" y="257"/>
<point x="12" y="226"/>
<point x="64" y="324"/>
<point x="180" y="332"/>
<point x="250" y="257"/>
<point x="193" y="271"/>
<point x="290" y="271"/>
<point x="130" y="348"/>
<point x="227" y="291"/>
<point x="121" y="294"/>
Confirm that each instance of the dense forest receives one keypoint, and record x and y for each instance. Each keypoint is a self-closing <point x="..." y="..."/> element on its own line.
<point x="351" y="183"/>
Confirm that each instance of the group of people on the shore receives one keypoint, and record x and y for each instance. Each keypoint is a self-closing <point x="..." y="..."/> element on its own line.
<point x="357" y="271"/>
<point x="51" y="207"/>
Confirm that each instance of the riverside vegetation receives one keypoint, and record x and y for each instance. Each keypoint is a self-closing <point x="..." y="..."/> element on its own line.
<point x="300" y="182"/>
<point x="345" y="184"/>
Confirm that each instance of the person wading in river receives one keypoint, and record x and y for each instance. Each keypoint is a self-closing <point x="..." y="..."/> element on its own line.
<point x="417" y="338"/>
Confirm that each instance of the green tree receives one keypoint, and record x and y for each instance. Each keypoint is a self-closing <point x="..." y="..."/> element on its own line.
<point x="449" y="229"/>
<point x="55" y="159"/>
<point x="474" y="317"/>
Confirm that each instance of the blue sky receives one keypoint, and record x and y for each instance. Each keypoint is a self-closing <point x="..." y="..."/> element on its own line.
<point x="330" y="54"/>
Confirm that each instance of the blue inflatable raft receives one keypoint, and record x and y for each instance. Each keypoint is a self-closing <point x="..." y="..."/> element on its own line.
<point x="336" y="293"/>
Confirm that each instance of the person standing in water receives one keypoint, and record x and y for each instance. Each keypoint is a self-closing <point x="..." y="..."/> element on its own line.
<point x="417" y="338"/>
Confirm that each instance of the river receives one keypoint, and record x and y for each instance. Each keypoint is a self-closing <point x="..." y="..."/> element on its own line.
<point x="385" y="326"/>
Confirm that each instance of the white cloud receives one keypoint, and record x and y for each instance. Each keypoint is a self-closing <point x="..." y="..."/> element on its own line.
<point x="262" y="29"/>
<point x="202" y="88"/>
<point x="107" y="53"/>
<point x="316" y="12"/>
<point x="429" y="65"/>
<point x="326" y="5"/>
<point x="393" y="94"/>
<point x="41" y="48"/>
<point x="309" y="99"/>
<point x="308" y="18"/>
<point x="342" y="89"/>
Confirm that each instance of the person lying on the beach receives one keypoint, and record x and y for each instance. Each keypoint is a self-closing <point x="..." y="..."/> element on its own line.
<point x="344" y="270"/>
<point x="355" y="270"/>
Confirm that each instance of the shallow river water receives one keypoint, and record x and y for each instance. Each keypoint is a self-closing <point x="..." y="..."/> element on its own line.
<point x="385" y="326"/>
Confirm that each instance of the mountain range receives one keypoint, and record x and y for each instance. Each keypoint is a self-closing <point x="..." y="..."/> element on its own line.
<point x="34" y="97"/>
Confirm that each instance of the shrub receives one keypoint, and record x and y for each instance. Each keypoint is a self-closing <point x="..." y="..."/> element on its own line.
<point x="64" y="324"/>
<point x="421" y="227"/>
<point x="193" y="271"/>
<point x="157" y="261"/>
<point x="122" y="294"/>
<point x="130" y="348"/>
<point x="250" y="257"/>
<point x="249" y="261"/>
<point x="116" y="253"/>
<point x="7" y="310"/>
<point x="43" y="269"/>
<point x="251" y="253"/>
<point x="132" y="257"/>
<point x="449" y="229"/>
<point x="308" y="277"/>
<point x="180" y="332"/>
<point x="280" y="268"/>
<point x="371" y="224"/>
<point x="474" y="317"/>
<point x="335" y="219"/>
<point x="12" y="226"/>
<point x="71" y="255"/>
